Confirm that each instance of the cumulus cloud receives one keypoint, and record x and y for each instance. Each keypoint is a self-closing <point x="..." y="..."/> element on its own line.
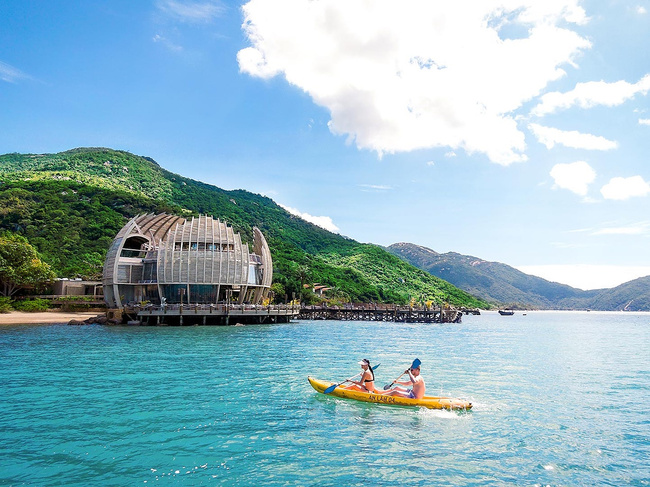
<point x="322" y="221"/>
<point x="644" y="121"/>
<point x="575" y="177"/>
<point x="550" y="136"/>
<point x="192" y="12"/>
<point x="11" y="74"/>
<point x="590" y="94"/>
<point x="398" y="77"/>
<point x="625" y="188"/>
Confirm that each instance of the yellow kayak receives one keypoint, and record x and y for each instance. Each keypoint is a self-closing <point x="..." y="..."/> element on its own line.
<point x="427" y="401"/>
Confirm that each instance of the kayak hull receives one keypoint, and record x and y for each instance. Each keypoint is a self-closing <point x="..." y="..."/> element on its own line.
<point x="429" y="402"/>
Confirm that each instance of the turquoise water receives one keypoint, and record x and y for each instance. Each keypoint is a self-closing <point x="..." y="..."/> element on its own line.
<point x="560" y="399"/>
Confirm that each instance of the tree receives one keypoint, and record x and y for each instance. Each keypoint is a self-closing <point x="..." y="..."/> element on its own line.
<point x="278" y="291"/>
<point x="20" y="266"/>
<point x="304" y="274"/>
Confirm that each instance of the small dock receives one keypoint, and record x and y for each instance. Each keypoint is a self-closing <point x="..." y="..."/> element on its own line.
<point x="398" y="314"/>
<point x="204" y="314"/>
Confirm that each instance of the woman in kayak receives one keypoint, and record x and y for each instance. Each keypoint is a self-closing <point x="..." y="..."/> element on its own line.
<point x="416" y="382"/>
<point x="367" y="381"/>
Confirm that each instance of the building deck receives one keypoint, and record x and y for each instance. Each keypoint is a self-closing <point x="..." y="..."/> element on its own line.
<point x="203" y="314"/>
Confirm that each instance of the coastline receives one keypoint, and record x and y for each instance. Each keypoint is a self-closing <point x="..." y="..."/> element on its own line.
<point x="45" y="317"/>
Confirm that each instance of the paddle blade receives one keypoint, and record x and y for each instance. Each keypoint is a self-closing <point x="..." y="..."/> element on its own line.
<point x="416" y="363"/>
<point x="387" y="386"/>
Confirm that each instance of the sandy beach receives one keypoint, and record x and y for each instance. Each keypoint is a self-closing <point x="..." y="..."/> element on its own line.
<point x="45" y="317"/>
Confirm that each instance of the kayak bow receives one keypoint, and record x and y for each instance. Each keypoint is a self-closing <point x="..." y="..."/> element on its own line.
<point x="429" y="402"/>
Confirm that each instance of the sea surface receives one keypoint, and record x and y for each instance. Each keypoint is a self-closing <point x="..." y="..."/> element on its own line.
<point x="560" y="398"/>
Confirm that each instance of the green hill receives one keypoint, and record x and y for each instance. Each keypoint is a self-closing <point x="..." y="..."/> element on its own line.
<point x="500" y="283"/>
<point x="70" y="205"/>
<point x="492" y="281"/>
<point x="629" y="296"/>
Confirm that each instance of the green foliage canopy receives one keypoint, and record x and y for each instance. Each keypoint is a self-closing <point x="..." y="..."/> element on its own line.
<point x="20" y="266"/>
<point x="70" y="206"/>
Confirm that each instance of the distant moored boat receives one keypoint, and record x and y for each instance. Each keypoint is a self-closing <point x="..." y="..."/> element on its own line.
<point x="506" y="312"/>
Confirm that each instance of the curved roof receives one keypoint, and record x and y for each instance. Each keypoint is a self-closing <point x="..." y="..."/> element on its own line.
<point x="185" y="251"/>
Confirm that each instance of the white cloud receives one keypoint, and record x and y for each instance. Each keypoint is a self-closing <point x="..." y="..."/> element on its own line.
<point x="644" y="121"/>
<point x="640" y="228"/>
<point x="398" y="77"/>
<point x="376" y="187"/>
<point x="322" y="221"/>
<point x="550" y="136"/>
<point x="587" y="276"/>
<point x="10" y="74"/>
<point x="641" y="9"/>
<point x="167" y="43"/>
<point x="625" y="188"/>
<point x="192" y="12"/>
<point x="590" y="94"/>
<point x="575" y="177"/>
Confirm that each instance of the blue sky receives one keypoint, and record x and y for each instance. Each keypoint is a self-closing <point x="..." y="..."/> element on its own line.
<point x="515" y="131"/>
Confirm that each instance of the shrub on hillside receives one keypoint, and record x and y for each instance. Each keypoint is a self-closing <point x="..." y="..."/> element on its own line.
<point x="32" y="305"/>
<point x="5" y="304"/>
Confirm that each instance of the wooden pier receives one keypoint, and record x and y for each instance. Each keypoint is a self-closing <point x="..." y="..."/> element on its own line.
<point x="399" y="314"/>
<point x="202" y="314"/>
<point x="222" y="314"/>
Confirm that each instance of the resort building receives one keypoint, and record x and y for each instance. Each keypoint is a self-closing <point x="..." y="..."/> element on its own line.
<point x="166" y="260"/>
<point x="77" y="287"/>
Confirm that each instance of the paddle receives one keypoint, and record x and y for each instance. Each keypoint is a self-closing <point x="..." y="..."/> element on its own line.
<point x="416" y="363"/>
<point x="334" y="386"/>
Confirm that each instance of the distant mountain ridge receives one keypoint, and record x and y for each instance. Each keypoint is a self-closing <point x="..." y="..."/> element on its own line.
<point x="502" y="284"/>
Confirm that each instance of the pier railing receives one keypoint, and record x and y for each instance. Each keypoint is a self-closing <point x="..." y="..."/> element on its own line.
<point x="283" y="309"/>
<point x="222" y="313"/>
<point x="208" y="314"/>
<point x="369" y="312"/>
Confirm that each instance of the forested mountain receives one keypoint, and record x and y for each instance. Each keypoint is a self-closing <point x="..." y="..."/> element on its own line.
<point x="70" y="205"/>
<point x="629" y="296"/>
<point x="501" y="283"/>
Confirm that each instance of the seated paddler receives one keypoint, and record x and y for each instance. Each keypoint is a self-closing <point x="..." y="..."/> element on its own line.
<point x="367" y="381"/>
<point x="416" y="383"/>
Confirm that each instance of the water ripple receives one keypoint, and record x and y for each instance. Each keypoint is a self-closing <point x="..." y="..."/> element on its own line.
<point x="559" y="399"/>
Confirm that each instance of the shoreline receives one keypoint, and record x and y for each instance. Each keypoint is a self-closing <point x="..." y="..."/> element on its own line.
<point x="44" y="317"/>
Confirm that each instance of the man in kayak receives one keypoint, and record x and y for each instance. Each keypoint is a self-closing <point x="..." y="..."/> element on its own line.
<point x="416" y="382"/>
<point x="367" y="381"/>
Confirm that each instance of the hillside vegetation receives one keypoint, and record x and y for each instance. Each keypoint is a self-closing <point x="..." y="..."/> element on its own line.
<point x="500" y="283"/>
<point x="70" y="205"/>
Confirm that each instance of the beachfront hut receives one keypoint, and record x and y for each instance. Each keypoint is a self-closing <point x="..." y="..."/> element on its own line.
<point x="167" y="259"/>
